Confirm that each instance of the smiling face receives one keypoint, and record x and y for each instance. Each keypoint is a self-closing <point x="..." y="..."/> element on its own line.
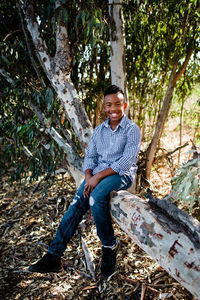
<point x="114" y="107"/>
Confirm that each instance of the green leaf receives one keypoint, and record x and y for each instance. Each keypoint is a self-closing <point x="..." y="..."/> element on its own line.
<point x="5" y="60"/>
<point x="83" y="18"/>
<point x="19" y="128"/>
<point x="97" y="21"/>
<point x="49" y="99"/>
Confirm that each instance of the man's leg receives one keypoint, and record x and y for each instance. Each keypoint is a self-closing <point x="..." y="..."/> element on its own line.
<point x="67" y="227"/>
<point x="69" y="222"/>
<point x="100" y="207"/>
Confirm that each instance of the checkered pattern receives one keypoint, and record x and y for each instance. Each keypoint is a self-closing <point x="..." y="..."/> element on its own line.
<point x="117" y="149"/>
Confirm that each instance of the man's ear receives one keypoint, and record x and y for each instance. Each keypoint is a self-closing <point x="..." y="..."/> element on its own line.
<point x="125" y="105"/>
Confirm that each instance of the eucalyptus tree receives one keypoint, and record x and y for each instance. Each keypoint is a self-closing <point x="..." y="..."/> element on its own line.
<point x="60" y="34"/>
<point x="163" y="40"/>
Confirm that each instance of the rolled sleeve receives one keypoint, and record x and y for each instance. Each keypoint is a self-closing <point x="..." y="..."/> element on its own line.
<point x="91" y="157"/>
<point x="130" y="155"/>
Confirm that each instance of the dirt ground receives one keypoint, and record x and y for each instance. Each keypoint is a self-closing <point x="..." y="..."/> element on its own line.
<point x="28" y="222"/>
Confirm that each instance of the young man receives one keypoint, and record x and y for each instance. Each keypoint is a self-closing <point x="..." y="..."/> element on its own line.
<point x="109" y="164"/>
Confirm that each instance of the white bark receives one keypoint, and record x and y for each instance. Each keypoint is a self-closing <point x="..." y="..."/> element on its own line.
<point x="173" y="243"/>
<point x="58" y="70"/>
<point x="74" y="162"/>
<point x="117" y="40"/>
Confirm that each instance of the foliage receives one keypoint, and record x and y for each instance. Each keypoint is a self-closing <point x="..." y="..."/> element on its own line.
<point x="157" y="33"/>
<point x="192" y="113"/>
<point x="24" y="135"/>
<point x="185" y="185"/>
<point x="20" y="131"/>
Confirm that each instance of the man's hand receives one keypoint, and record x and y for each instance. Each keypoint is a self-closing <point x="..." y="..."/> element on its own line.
<point x="91" y="180"/>
<point x="90" y="184"/>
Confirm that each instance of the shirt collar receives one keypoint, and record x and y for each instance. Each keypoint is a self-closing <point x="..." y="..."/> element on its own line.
<point x="122" y="123"/>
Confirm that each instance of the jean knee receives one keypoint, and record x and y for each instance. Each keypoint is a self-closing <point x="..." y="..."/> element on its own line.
<point x="75" y="199"/>
<point x="91" y="201"/>
<point x="97" y="203"/>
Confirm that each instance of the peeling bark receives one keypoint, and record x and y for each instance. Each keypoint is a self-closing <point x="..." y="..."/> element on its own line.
<point x="117" y="40"/>
<point x="171" y="237"/>
<point x="58" y="69"/>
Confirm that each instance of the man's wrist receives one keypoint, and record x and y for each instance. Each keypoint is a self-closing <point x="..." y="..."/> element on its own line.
<point x="88" y="173"/>
<point x="105" y="173"/>
<point x="99" y="176"/>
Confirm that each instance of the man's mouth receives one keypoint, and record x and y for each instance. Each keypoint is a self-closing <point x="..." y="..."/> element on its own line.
<point x="113" y="115"/>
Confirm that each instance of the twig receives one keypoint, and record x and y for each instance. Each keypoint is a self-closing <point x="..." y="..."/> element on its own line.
<point x="144" y="287"/>
<point x="37" y="185"/>
<point x="133" y="281"/>
<point x="152" y="290"/>
<point x="170" y="152"/>
<point x="89" y="259"/>
<point x="163" y="286"/>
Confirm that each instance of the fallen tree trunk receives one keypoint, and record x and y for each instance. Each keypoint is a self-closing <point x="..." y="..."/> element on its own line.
<point x="170" y="236"/>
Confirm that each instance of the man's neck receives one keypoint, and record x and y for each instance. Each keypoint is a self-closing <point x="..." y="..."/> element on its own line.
<point x="114" y="124"/>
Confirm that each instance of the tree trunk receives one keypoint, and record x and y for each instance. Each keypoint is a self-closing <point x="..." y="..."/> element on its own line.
<point x="170" y="236"/>
<point x="161" y="122"/>
<point x="58" y="69"/>
<point x="117" y="40"/>
<point x="174" y="77"/>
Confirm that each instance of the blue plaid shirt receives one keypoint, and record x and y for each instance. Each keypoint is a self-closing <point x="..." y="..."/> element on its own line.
<point x="117" y="149"/>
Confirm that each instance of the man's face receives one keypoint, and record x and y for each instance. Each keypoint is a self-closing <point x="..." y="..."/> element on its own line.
<point x="114" y="107"/>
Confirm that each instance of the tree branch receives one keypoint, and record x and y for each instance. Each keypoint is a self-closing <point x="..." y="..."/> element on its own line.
<point x="184" y="65"/>
<point x="29" y="47"/>
<point x="62" y="56"/>
<point x="72" y="156"/>
<point x="40" y="45"/>
<point x="170" y="152"/>
<point x="7" y="77"/>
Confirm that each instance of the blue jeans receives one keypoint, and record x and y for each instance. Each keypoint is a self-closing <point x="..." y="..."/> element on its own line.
<point x="98" y="202"/>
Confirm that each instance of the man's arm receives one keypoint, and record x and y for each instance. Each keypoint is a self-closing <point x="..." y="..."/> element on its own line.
<point x="91" y="155"/>
<point x="92" y="181"/>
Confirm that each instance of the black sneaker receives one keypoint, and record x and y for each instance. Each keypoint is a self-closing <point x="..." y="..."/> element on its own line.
<point x="108" y="261"/>
<point x="48" y="263"/>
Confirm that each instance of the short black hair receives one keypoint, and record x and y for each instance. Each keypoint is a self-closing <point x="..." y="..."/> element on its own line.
<point x="113" y="89"/>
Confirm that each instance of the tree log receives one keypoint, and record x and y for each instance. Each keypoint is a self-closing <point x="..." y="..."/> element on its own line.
<point x="170" y="236"/>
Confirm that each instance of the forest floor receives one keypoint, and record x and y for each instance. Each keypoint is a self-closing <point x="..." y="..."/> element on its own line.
<point x="28" y="221"/>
